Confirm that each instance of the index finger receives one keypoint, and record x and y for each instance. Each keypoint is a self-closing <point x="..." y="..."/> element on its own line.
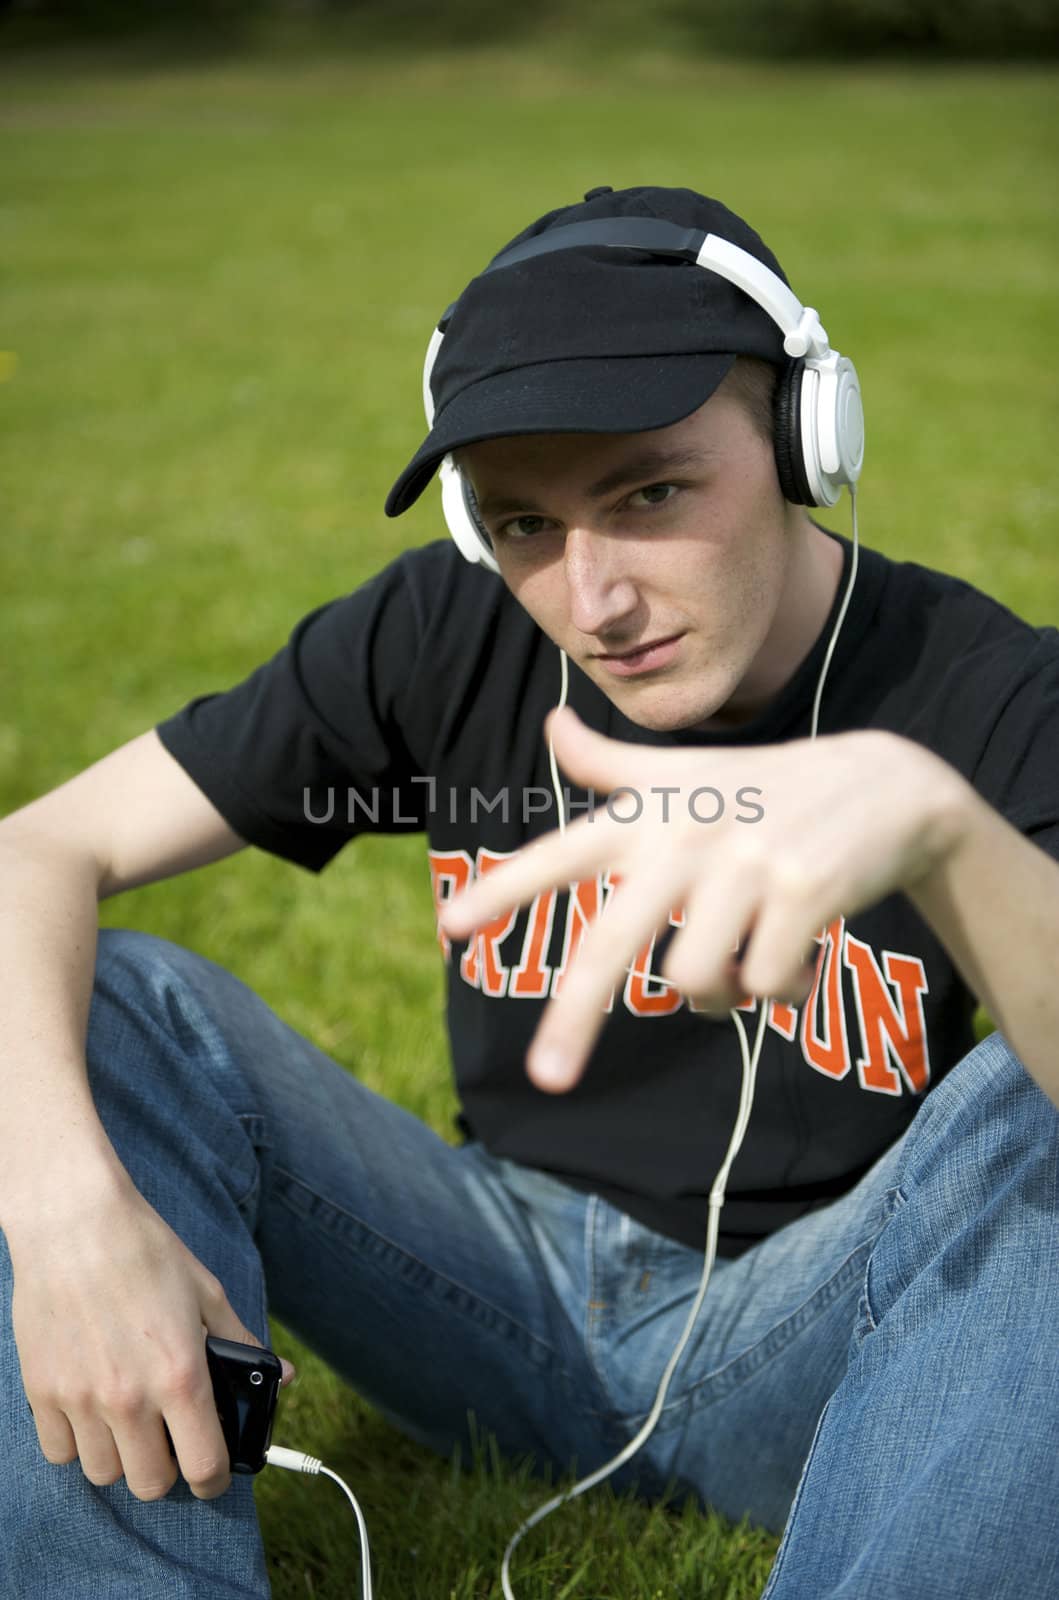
<point x="550" y="862"/>
<point x="572" y="1020"/>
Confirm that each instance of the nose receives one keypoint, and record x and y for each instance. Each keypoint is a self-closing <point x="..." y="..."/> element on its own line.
<point x="601" y="589"/>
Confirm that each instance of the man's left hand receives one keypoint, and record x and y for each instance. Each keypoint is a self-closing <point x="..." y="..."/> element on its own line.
<point x="847" y="819"/>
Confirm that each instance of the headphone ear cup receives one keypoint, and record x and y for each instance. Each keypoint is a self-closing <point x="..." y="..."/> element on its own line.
<point x="461" y="514"/>
<point x="787" y="436"/>
<point x="470" y="500"/>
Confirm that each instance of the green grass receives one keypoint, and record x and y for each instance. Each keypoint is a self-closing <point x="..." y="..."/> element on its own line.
<point x="218" y="281"/>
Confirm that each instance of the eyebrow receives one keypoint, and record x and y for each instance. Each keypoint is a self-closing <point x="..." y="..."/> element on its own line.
<point x="647" y="466"/>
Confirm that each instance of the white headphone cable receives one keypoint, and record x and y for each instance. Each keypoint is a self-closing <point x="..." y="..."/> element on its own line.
<point x="717" y="1192"/>
<point x="278" y="1455"/>
<point x="840" y="619"/>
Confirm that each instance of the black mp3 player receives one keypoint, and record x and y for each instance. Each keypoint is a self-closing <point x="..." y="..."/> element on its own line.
<point x="246" y="1382"/>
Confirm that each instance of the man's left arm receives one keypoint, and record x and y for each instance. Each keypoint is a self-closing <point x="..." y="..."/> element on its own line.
<point x="993" y="901"/>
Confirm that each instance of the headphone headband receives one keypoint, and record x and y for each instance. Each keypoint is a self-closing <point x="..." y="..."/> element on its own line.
<point x="800" y="326"/>
<point x="820" y="406"/>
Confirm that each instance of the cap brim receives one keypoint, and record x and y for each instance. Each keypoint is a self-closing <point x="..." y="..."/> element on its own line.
<point x="616" y="394"/>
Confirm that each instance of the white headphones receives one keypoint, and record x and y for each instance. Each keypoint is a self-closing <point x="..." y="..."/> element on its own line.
<point x="819" y="419"/>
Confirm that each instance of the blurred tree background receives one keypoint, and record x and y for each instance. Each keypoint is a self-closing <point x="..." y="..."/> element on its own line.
<point x="932" y="29"/>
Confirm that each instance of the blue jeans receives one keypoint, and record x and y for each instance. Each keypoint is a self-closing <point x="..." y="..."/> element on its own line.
<point x="886" y="1366"/>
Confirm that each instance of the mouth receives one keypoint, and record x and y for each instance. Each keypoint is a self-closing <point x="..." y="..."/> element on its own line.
<point x="643" y="658"/>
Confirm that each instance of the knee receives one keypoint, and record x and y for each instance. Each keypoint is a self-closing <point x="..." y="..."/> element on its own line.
<point x="146" y="1004"/>
<point x="127" y="960"/>
<point x="143" y="974"/>
<point x="988" y="1093"/>
<point x="161" y="1070"/>
<point x="977" y="1179"/>
<point x="995" y="1070"/>
<point x="990" y="1118"/>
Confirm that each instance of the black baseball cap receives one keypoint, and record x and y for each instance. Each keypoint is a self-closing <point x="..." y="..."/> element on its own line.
<point x="590" y="339"/>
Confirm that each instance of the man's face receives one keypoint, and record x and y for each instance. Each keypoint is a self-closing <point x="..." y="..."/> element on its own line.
<point x="657" y="561"/>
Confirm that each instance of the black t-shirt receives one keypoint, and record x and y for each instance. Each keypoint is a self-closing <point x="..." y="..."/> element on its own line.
<point x="417" y="702"/>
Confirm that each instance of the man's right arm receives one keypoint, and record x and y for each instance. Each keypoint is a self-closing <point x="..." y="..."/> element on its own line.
<point x="93" y="1262"/>
<point x="132" y="818"/>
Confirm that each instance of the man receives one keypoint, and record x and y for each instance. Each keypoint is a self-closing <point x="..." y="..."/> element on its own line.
<point x="886" y="1281"/>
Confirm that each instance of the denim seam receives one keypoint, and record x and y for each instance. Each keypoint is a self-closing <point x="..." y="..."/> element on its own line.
<point x="717" y="1385"/>
<point x="254" y="1130"/>
<point x="353" y="1232"/>
<point x="593" y="1305"/>
<point x="774" y="1575"/>
<point x="867" y="1322"/>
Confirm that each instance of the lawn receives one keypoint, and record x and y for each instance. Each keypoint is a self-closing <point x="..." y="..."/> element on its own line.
<point x="219" y="279"/>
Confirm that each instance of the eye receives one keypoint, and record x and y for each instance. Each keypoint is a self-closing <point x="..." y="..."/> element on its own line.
<point x="523" y="527"/>
<point x="654" y="494"/>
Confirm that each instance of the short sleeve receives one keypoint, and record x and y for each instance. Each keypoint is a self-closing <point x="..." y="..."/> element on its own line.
<point x="311" y="749"/>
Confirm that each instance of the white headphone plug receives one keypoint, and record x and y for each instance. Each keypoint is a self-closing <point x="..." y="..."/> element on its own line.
<point x="278" y="1455"/>
<point x="292" y="1460"/>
